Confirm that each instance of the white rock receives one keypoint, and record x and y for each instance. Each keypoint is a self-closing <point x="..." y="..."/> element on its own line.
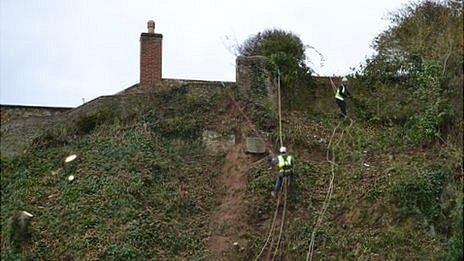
<point x="70" y="158"/>
<point x="27" y="214"/>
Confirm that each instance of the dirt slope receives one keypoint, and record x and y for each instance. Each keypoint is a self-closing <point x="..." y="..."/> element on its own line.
<point x="230" y="219"/>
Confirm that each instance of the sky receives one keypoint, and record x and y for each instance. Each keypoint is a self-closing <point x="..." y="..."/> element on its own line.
<point x="66" y="52"/>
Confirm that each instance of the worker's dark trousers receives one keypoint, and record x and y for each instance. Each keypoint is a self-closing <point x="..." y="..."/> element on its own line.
<point x="280" y="179"/>
<point x="342" y="105"/>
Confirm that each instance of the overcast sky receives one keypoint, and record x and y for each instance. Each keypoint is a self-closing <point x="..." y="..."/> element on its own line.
<point x="57" y="52"/>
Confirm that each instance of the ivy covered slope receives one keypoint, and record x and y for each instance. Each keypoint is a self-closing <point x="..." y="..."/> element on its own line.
<point x="143" y="184"/>
<point x="146" y="187"/>
<point x="392" y="199"/>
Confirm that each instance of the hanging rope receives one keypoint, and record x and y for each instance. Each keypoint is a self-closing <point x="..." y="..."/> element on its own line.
<point x="333" y="85"/>
<point x="271" y="230"/>
<point x="279" y="108"/>
<point x="282" y="222"/>
<point x="330" y="189"/>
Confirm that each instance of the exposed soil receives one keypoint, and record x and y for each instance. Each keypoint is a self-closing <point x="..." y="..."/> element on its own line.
<point x="230" y="218"/>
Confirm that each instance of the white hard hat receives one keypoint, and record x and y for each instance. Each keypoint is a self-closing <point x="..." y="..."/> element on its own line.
<point x="344" y="79"/>
<point x="283" y="150"/>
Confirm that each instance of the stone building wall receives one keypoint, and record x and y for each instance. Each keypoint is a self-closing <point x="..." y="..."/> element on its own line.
<point x="17" y="133"/>
<point x="252" y="73"/>
<point x="12" y="112"/>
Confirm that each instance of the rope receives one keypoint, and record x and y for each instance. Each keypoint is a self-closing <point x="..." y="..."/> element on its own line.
<point x="282" y="219"/>
<point x="239" y="107"/>
<point x="271" y="231"/>
<point x="333" y="85"/>
<point x="272" y="228"/>
<point x="280" y="108"/>
<point x="328" y="196"/>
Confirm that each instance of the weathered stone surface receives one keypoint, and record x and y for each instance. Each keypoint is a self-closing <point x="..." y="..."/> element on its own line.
<point x="151" y="26"/>
<point x="253" y="78"/>
<point x="217" y="143"/>
<point x="20" y="126"/>
<point x="17" y="134"/>
<point x="255" y="145"/>
<point x="251" y="71"/>
<point x="13" y="112"/>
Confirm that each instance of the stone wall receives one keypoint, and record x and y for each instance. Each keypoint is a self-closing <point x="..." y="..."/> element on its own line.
<point x="251" y="73"/>
<point x="17" y="133"/>
<point x="12" y="112"/>
<point x="254" y="79"/>
<point x="167" y="84"/>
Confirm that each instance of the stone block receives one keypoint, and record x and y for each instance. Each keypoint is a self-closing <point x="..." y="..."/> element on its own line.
<point x="255" y="145"/>
<point x="217" y="143"/>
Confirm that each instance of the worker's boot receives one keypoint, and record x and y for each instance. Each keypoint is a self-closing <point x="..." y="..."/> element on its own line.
<point x="273" y="194"/>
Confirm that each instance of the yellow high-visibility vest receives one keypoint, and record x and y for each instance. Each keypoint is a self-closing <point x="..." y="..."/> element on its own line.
<point x="339" y="95"/>
<point x="284" y="164"/>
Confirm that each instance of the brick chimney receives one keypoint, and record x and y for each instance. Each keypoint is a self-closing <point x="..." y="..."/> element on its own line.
<point x="150" y="56"/>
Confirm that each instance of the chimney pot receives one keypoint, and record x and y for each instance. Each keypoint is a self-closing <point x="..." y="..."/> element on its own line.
<point x="151" y="27"/>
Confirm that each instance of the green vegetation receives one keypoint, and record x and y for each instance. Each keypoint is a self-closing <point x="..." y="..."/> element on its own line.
<point x="421" y="195"/>
<point x="420" y="58"/>
<point x="140" y="191"/>
<point x="456" y="241"/>
<point x="86" y="123"/>
<point x="399" y="201"/>
<point x="284" y="50"/>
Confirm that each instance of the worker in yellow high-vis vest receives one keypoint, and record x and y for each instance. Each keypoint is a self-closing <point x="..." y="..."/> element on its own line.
<point x="340" y="94"/>
<point x="284" y="163"/>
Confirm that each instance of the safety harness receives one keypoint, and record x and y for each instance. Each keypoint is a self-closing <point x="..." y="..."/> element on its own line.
<point x="341" y="92"/>
<point x="285" y="164"/>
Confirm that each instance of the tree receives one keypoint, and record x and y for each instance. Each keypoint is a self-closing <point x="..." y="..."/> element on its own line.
<point x="428" y="30"/>
<point x="422" y="52"/>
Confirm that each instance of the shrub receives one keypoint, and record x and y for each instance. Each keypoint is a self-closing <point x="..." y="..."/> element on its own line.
<point x="183" y="127"/>
<point x="86" y="123"/>
<point x="421" y="52"/>
<point x="421" y="195"/>
<point x="426" y="124"/>
<point x="50" y="138"/>
<point x="456" y="242"/>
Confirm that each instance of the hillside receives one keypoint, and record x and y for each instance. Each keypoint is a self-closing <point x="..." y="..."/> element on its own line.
<point x="153" y="185"/>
